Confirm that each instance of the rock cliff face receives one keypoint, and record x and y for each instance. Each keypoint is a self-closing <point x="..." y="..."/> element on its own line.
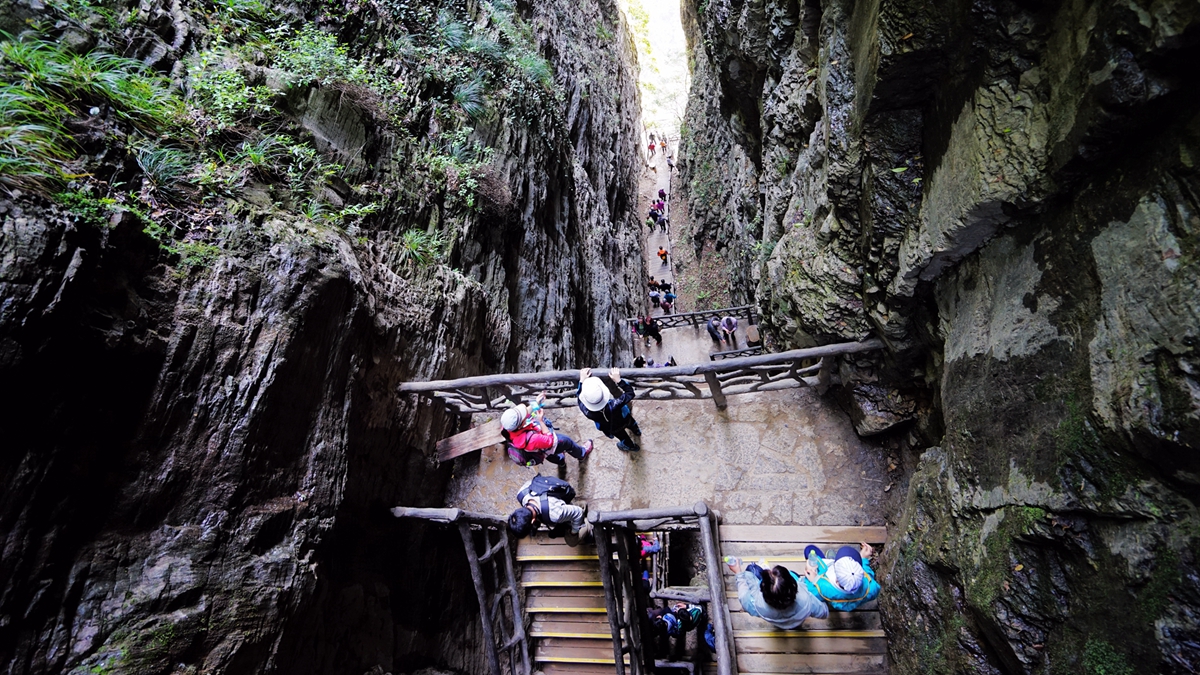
<point x="199" y="459"/>
<point x="1008" y="195"/>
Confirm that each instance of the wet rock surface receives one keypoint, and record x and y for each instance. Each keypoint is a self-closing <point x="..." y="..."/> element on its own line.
<point x="1007" y="195"/>
<point x="199" y="462"/>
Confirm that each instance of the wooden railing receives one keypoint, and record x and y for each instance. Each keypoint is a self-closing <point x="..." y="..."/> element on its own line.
<point x="701" y="317"/>
<point x="714" y="380"/>
<point x="619" y="569"/>
<point x="501" y="615"/>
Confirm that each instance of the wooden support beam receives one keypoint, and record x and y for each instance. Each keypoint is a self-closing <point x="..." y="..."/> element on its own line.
<point x="719" y="613"/>
<point x="489" y="639"/>
<point x="714" y="387"/>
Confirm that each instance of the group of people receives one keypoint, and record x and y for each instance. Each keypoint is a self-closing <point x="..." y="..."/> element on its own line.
<point x="531" y="440"/>
<point x="658" y="212"/>
<point x="784" y="599"/>
<point x="723" y="330"/>
<point x="662" y="295"/>
<point x="660" y="144"/>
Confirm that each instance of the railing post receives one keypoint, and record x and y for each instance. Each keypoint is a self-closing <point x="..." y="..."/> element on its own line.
<point x="716" y="583"/>
<point x="714" y="386"/>
<point x="602" y="533"/>
<point x="485" y="618"/>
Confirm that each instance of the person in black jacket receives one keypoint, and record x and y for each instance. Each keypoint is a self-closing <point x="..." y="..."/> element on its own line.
<point x="613" y="415"/>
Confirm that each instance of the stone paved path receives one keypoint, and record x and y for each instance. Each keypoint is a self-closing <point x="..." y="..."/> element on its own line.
<point x="773" y="458"/>
<point x="687" y="345"/>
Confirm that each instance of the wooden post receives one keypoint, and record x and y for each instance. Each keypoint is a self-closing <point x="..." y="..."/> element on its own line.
<point x="716" y="586"/>
<point x="489" y="639"/>
<point x="714" y="386"/>
<point x="518" y="611"/>
<point x="602" y="534"/>
<point x="824" y="375"/>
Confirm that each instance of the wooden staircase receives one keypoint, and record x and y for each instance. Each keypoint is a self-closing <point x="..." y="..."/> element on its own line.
<point x="846" y="642"/>
<point x="564" y="598"/>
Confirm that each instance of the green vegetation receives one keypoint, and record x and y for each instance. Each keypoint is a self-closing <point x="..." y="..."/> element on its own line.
<point x="984" y="586"/>
<point x="1099" y="658"/>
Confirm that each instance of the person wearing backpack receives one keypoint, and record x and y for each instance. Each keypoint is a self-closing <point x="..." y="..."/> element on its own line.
<point x="531" y="439"/>
<point x="547" y="501"/>
<point x="612" y="416"/>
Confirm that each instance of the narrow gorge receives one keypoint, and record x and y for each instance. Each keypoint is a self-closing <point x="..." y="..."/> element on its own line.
<point x="231" y="229"/>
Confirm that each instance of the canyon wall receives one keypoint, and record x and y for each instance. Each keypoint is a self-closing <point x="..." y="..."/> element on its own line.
<point x="202" y="437"/>
<point x="1008" y="195"/>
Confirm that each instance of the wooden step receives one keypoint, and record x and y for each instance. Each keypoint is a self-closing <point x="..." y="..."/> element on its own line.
<point x="857" y="620"/>
<point x="580" y="623"/>
<point x="550" y="649"/>
<point x="735" y="605"/>
<point x="567" y="592"/>
<point x="753" y="643"/>
<point x="570" y="604"/>
<point x="802" y="534"/>
<point x="751" y="551"/>
<point x="533" y="574"/>
<point x="857" y="664"/>
<point x="548" y="546"/>
<point x="577" y="668"/>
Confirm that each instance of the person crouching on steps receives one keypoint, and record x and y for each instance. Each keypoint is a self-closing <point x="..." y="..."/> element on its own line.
<point x="846" y="581"/>
<point x="547" y="500"/>
<point x="775" y="596"/>
<point x="532" y="439"/>
<point x="613" y="416"/>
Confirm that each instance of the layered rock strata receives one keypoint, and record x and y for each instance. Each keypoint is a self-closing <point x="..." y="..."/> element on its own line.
<point x="199" y="460"/>
<point x="1007" y="195"/>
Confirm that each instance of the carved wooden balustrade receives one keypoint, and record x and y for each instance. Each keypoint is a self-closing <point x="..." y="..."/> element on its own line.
<point x="715" y="380"/>
<point x="701" y="317"/>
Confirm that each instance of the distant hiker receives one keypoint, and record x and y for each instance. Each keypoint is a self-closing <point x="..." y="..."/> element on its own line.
<point x="666" y="305"/>
<point x="662" y="195"/>
<point x="663" y="144"/>
<point x="845" y="582"/>
<point x="654" y="285"/>
<point x="651" y="148"/>
<point x="639" y="362"/>
<point x="669" y="362"/>
<point x="670" y="164"/>
<point x="612" y="416"/>
<point x="774" y="596"/>
<point x="663" y="221"/>
<point x="654" y="213"/>
<point x="664" y="286"/>
<point x="651" y="136"/>
<point x="677" y="619"/>
<point x="662" y="255"/>
<point x="650" y="222"/>
<point x="654" y="297"/>
<point x="714" y="330"/>
<point x="729" y="327"/>
<point x="638" y="328"/>
<point x="547" y="500"/>
<point x="532" y="440"/>
<point x="652" y="330"/>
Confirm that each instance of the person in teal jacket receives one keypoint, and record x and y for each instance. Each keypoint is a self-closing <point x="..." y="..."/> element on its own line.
<point x="847" y="581"/>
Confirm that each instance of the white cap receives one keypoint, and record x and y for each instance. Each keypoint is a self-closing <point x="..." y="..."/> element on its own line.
<point x="849" y="574"/>
<point x="595" y="394"/>
<point x="512" y="418"/>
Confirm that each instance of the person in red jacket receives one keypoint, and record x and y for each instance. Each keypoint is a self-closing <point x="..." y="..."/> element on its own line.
<point x="532" y="440"/>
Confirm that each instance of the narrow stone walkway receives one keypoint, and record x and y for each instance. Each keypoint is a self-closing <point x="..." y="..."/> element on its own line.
<point x="772" y="458"/>
<point x="686" y="345"/>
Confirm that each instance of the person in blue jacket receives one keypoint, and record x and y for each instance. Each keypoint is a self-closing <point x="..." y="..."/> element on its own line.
<point x="846" y="581"/>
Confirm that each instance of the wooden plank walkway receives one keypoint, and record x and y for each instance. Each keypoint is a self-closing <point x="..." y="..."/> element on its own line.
<point x="846" y="642"/>
<point x="564" y="597"/>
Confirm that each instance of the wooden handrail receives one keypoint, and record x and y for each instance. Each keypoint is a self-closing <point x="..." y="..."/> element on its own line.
<point x="648" y="373"/>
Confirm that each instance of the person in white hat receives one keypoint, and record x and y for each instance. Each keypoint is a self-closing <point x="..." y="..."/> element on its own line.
<point x="847" y="581"/>
<point x="532" y="440"/>
<point x="613" y="415"/>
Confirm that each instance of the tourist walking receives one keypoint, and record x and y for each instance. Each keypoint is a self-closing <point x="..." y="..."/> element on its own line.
<point x="662" y="195"/>
<point x="662" y="255"/>
<point x="547" y="500"/>
<point x="531" y="437"/>
<point x="613" y="416"/>
<point x="846" y="581"/>
<point x="654" y="297"/>
<point x="775" y="596"/>
<point x="651" y="146"/>
<point x="652" y="330"/>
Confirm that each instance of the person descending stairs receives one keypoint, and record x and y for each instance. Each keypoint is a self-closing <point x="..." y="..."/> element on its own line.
<point x="564" y="597"/>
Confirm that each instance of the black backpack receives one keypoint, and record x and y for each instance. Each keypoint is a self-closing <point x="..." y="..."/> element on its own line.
<point x="545" y="487"/>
